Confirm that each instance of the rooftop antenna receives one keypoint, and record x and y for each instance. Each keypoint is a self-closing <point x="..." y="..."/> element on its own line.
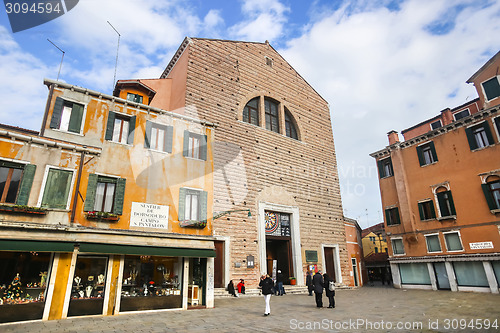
<point x="117" y="48"/>
<point x="60" y="65"/>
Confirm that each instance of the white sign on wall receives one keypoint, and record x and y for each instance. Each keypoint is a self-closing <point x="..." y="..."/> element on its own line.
<point x="481" y="245"/>
<point x="145" y="215"/>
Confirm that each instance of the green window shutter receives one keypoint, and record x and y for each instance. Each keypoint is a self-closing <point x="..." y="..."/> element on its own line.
<point x="90" y="195"/>
<point x="56" y="113"/>
<point x="489" y="197"/>
<point x="169" y="138"/>
<point x="433" y="211"/>
<point x="182" y="204"/>
<point x="471" y="138"/>
<point x="185" y="149"/>
<point x="110" y="126"/>
<point x="433" y="151"/>
<point x="203" y="147"/>
<point x="421" y="211"/>
<point x="75" y="120"/>
<point x="26" y="182"/>
<point x="388" y="217"/>
<point x="57" y="189"/>
<point x="421" y="159"/>
<point x="131" y="130"/>
<point x="442" y="206"/>
<point x="147" y="136"/>
<point x="119" y="196"/>
<point x="491" y="88"/>
<point x="497" y="124"/>
<point x="380" y="169"/>
<point x="203" y="205"/>
<point x="452" y="205"/>
<point x="488" y="133"/>
<point x="398" y="220"/>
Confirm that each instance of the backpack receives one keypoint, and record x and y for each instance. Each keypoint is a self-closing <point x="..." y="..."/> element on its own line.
<point x="331" y="285"/>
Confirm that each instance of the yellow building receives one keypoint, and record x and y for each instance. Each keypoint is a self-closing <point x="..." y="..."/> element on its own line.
<point x="108" y="209"/>
<point x="373" y="239"/>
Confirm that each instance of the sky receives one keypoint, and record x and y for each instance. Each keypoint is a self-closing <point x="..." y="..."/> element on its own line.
<point x="381" y="64"/>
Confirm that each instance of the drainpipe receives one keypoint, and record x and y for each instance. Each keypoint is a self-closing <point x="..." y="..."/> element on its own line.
<point x="47" y="106"/>
<point x="77" y="190"/>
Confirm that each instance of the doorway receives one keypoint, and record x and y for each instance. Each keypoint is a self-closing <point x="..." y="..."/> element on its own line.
<point x="442" y="281"/>
<point x="279" y="248"/>
<point x="330" y="263"/>
<point x="219" y="265"/>
<point x="355" y="271"/>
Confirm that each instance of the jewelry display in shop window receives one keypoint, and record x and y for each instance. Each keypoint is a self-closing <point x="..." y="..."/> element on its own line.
<point x="89" y="289"/>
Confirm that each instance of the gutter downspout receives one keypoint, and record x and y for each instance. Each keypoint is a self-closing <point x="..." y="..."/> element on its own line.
<point x="47" y="106"/>
<point x="77" y="190"/>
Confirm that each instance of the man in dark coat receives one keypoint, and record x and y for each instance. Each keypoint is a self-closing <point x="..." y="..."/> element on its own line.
<point x="318" y="288"/>
<point x="329" y="293"/>
<point x="309" y="282"/>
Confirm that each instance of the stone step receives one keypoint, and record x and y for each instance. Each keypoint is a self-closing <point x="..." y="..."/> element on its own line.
<point x="221" y="292"/>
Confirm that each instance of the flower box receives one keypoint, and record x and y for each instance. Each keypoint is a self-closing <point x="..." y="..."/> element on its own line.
<point x="193" y="224"/>
<point x="102" y="216"/>
<point x="16" y="209"/>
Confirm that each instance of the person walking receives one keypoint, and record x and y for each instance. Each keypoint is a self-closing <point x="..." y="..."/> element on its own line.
<point x="230" y="288"/>
<point x="309" y="282"/>
<point x="267" y="290"/>
<point x="318" y="288"/>
<point x="279" y="284"/>
<point x="329" y="290"/>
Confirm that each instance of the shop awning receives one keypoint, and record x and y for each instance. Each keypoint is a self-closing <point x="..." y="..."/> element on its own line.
<point x="146" y="250"/>
<point x="36" y="246"/>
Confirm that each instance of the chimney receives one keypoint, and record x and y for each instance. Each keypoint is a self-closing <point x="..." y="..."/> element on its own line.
<point x="393" y="137"/>
<point x="446" y="116"/>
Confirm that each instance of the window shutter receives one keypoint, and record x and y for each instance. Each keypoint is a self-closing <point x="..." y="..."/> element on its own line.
<point x="433" y="211"/>
<point x="110" y="125"/>
<point x="452" y="205"/>
<point x="421" y="159"/>
<point x="471" y="138"/>
<point x="380" y="169"/>
<point x="421" y="211"/>
<point x="440" y="198"/>
<point x="489" y="197"/>
<point x="147" y="136"/>
<point x="203" y="147"/>
<point x="26" y="182"/>
<point x="203" y="205"/>
<point x="497" y="124"/>
<point x="185" y="149"/>
<point x="398" y="221"/>
<point x="388" y="217"/>
<point x="119" y="196"/>
<point x="90" y="195"/>
<point x="169" y="138"/>
<point x="56" y="113"/>
<point x="488" y="133"/>
<point x="182" y="204"/>
<point x="131" y="130"/>
<point x="433" y="151"/>
<point x="75" y="121"/>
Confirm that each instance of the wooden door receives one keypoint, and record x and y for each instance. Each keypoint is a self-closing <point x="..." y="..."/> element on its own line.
<point x="219" y="265"/>
<point x="330" y="263"/>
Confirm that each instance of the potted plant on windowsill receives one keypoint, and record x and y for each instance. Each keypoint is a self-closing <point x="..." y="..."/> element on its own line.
<point x="22" y="209"/>
<point x="193" y="224"/>
<point x="293" y="281"/>
<point x="102" y="216"/>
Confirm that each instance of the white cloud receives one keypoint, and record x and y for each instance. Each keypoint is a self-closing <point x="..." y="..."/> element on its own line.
<point x="384" y="70"/>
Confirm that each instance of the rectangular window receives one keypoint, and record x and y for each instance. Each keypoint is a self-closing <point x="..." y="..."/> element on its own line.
<point x="470" y="274"/>
<point x="397" y="246"/>
<point x="192" y="205"/>
<point x="436" y="124"/>
<point x="479" y="136"/>
<point x="10" y="181"/>
<point x="461" y="114"/>
<point x="191" y="211"/>
<point x="492" y="193"/>
<point x="414" y="273"/>
<point x="426" y="210"/>
<point x="57" y="189"/>
<point x="158" y="137"/>
<point x="271" y="109"/>
<point x="105" y="194"/>
<point x="433" y="244"/>
<point x="385" y="168"/>
<point x="392" y="216"/>
<point x="491" y="88"/>
<point x="446" y="205"/>
<point x="134" y="98"/>
<point x="120" y="128"/>
<point x="496" y="121"/>
<point x="67" y="116"/>
<point x="427" y="154"/>
<point x="195" y="146"/>
<point x="453" y="242"/>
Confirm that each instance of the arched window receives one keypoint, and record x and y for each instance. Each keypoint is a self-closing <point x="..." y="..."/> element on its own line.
<point x="491" y="191"/>
<point x="290" y="129"/>
<point x="251" y="112"/>
<point x="445" y="202"/>
<point x="272" y="118"/>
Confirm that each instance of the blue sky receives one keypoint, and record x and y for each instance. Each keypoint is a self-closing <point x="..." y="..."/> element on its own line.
<point x="381" y="65"/>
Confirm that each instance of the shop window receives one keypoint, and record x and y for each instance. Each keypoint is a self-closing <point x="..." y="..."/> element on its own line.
<point x="192" y="205"/>
<point x="414" y="273"/>
<point x="397" y="246"/>
<point x="496" y="268"/>
<point x="15" y="182"/>
<point x="151" y="282"/>
<point x="158" y="137"/>
<point x="392" y="216"/>
<point x="57" y="188"/>
<point x="491" y="88"/>
<point x="67" y="116"/>
<point x="433" y="244"/>
<point x="23" y="285"/>
<point x="89" y="285"/>
<point x="491" y="190"/>
<point x="470" y="274"/>
<point x="445" y="203"/>
<point x="195" y="146"/>
<point x="461" y="114"/>
<point x="427" y="154"/>
<point x="426" y="210"/>
<point x="134" y="98"/>
<point x="290" y="128"/>
<point x="272" y="117"/>
<point x="251" y="112"/>
<point x="437" y="124"/>
<point x="105" y="194"/>
<point x="479" y="136"/>
<point x="453" y="242"/>
<point x="120" y="128"/>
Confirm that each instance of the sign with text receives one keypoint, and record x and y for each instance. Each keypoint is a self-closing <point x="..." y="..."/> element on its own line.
<point x="481" y="245"/>
<point x="145" y="215"/>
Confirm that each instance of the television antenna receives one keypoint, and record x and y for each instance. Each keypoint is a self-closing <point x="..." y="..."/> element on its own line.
<point x="117" y="48"/>
<point x="60" y="65"/>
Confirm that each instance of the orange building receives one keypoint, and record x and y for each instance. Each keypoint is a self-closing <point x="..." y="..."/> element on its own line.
<point x="440" y="192"/>
<point x="108" y="209"/>
<point x="354" y="252"/>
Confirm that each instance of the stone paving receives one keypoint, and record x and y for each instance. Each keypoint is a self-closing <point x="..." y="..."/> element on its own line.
<point x="368" y="309"/>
